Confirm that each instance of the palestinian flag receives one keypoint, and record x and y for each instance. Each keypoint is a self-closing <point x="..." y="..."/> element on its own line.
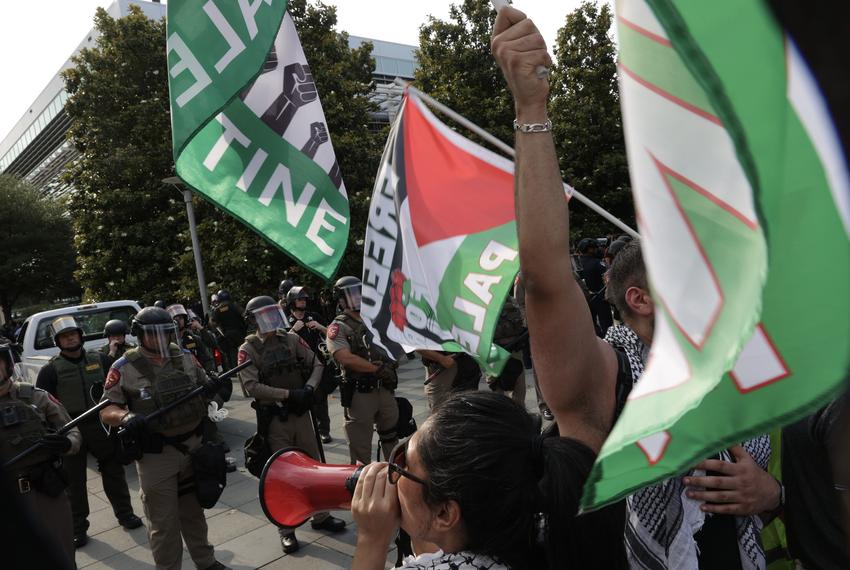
<point x="248" y="129"/>
<point x="741" y="186"/>
<point x="441" y="243"/>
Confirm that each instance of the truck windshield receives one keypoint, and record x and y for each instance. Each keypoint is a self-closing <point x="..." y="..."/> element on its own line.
<point x="90" y="320"/>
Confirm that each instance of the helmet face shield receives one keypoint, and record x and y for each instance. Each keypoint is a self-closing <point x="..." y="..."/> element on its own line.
<point x="351" y="296"/>
<point x="158" y="338"/>
<point x="176" y="310"/>
<point x="269" y="318"/>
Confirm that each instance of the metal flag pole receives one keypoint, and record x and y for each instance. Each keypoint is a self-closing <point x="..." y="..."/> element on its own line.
<point x="196" y="246"/>
<point x="463" y="121"/>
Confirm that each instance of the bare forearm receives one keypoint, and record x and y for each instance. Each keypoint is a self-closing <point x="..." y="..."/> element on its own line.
<point x="369" y="555"/>
<point x="356" y="363"/>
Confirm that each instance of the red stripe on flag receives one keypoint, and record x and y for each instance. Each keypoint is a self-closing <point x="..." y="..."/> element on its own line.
<point x="450" y="192"/>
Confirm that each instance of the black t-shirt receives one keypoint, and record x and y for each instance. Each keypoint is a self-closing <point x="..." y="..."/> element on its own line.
<point x="812" y="514"/>
<point x="591" y="269"/>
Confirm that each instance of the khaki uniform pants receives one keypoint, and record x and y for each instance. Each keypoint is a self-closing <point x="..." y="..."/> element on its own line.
<point x="439" y="388"/>
<point x="96" y="442"/>
<point x="368" y="410"/>
<point x="170" y="515"/>
<point x="296" y="431"/>
<point x="54" y="513"/>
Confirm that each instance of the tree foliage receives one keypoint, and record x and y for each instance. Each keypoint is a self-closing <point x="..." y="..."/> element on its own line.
<point x="37" y="257"/>
<point x="132" y="234"/>
<point x="585" y="111"/>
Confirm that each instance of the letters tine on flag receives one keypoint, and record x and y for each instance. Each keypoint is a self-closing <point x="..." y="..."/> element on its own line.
<point x="441" y="244"/>
<point x="248" y="129"/>
<point x="741" y="188"/>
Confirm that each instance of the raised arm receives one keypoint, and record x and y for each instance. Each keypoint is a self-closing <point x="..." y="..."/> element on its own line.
<point x="576" y="370"/>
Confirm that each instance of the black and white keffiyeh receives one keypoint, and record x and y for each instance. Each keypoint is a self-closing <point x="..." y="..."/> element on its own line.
<point x="452" y="561"/>
<point x="662" y="521"/>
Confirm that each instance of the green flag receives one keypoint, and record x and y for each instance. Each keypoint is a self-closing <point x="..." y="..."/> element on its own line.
<point x="248" y="129"/>
<point x="741" y="190"/>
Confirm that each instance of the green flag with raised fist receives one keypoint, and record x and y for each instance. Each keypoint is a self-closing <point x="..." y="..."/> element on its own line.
<point x="248" y="129"/>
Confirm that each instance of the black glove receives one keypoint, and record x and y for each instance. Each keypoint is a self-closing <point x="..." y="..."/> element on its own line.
<point x="56" y="443"/>
<point x="135" y="425"/>
<point x="300" y="400"/>
<point x="385" y="372"/>
<point x="212" y="385"/>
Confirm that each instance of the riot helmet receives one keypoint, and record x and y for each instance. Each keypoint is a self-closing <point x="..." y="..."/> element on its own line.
<point x="159" y="303"/>
<point x="223" y="295"/>
<point x="284" y="287"/>
<point x="115" y="327"/>
<point x="178" y="310"/>
<point x="155" y="330"/>
<point x="266" y="313"/>
<point x="64" y="324"/>
<point x="348" y="293"/>
<point x="294" y="294"/>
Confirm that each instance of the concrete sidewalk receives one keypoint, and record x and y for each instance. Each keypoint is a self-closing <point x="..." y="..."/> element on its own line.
<point x="243" y="537"/>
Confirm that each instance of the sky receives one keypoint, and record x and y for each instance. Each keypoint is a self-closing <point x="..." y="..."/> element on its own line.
<point x="37" y="36"/>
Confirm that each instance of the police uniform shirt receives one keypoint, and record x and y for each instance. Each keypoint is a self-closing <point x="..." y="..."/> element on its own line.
<point x="49" y="407"/>
<point x="250" y="376"/>
<point x="124" y="377"/>
<point x="338" y="335"/>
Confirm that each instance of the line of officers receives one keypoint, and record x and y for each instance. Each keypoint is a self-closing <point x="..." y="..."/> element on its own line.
<point x="291" y="376"/>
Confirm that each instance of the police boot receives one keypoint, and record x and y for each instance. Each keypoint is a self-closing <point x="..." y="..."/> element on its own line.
<point x="330" y="524"/>
<point x="289" y="542"/>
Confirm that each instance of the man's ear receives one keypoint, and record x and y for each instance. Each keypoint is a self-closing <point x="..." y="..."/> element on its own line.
<point x="640" y="301"/>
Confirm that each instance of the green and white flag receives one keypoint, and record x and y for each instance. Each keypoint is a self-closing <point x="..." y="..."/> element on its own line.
<point x="742" y="195"/>
<point x="248" y="129"/>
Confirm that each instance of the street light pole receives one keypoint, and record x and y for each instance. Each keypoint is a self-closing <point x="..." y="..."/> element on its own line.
<point x="196" y="246"/>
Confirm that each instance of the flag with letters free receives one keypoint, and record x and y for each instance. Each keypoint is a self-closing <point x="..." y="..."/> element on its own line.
<point x="441" y="249"/>
<point x="741" y="188"/>
<point x="248" y="129"/>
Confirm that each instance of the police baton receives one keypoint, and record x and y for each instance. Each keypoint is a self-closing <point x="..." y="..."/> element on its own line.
<point x="61" y="431"/>
<point x="195" y="392"/>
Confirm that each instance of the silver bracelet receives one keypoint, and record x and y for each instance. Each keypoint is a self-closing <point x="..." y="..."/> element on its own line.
<point x="533" y="127"/>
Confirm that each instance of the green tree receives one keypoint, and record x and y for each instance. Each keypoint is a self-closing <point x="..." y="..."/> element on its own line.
<point x="131" y="230"/>
<point x="585" y="111"/>
<point x="37" y="257"/>
<point x="456" y="68"/>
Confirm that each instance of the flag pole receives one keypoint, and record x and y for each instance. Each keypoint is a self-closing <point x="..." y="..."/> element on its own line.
<point x="196" y="246"/>
<point x="463" y="121"/>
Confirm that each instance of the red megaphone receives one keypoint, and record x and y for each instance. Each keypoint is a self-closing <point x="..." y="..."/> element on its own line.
<point x="294" y="487"/>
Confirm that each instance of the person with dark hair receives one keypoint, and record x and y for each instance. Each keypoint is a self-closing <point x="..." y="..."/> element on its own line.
<point x="681" y="522"/>
<point x="479" y="484"/>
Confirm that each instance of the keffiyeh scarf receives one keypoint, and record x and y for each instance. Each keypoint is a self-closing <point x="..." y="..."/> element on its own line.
<point x="453" y="561"/>
<point x="662" y="521"/>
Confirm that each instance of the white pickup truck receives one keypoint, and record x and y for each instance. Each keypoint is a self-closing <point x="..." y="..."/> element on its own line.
<point x="36" y="340"/>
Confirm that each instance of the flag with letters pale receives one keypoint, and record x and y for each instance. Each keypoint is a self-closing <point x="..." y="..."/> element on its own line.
<point x="741" y="188"/>
<point x="248" y="129"/>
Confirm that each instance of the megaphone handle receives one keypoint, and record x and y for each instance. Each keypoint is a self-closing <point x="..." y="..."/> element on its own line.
<point x="351" y="480"/>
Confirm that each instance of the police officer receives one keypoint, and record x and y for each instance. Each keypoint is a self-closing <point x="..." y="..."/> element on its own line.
<point x="369" y="377"/>
<point x="139" y="383"/>
<point x="209" y="339"/>
<point x="188" y="340"/>
<point x="75" y="377"/>
<point x="115" y="332"/>
<point x="308" y="326"/>
<point x="227" y="317"/>
<point x="282" y="397"/>
<point x="282" y="292"/>
<point x="29" y="415"/>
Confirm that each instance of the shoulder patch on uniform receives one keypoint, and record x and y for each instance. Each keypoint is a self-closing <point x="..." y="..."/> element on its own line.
<point x="242" y="357"/>
<point x="333" y="330"/>
<point x="112" y="378"/>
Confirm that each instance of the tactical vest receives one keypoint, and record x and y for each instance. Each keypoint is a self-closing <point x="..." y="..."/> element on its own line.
<point x="278" y="365"/>
<point x="22" y="425"/>
<point x="360" y="344"/>
<point x="166" y="385"/>
<point x="75" y="381"/>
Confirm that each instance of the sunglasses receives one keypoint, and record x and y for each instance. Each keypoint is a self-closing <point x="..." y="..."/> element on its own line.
<point x="398" y="463"/>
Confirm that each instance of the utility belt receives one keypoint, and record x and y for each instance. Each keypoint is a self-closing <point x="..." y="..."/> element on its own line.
<point x="155" y="442"/>
<point x="48" y="478"/>
<point x="365" y="384"/>
<point x="267" y="412"/>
